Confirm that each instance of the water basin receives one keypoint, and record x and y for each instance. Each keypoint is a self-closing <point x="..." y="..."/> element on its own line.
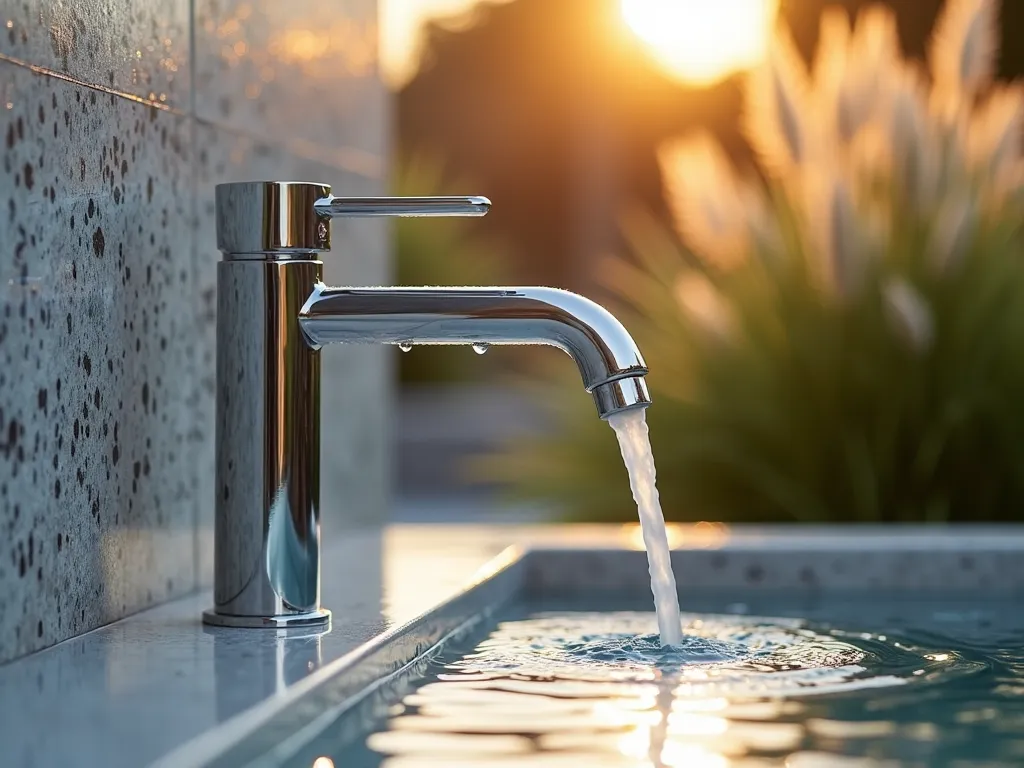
<point x="534" y="666"/>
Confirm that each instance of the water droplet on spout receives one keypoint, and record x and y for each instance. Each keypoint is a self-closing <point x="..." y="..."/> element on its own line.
<point x="480" y="348"/>
<point x="405" y="346"/>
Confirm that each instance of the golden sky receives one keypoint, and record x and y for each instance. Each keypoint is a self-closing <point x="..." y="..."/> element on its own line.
<point x="698" y="41"/>
<point x="401" y="22"/>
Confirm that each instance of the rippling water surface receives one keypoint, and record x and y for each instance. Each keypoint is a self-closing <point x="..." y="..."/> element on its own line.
<point x="577" y="688"/>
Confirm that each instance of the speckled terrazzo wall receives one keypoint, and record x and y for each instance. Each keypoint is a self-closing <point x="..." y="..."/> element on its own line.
<point x="117" y="119"/>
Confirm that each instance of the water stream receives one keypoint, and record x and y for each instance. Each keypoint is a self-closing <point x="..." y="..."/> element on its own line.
<point x="631" y="430"/>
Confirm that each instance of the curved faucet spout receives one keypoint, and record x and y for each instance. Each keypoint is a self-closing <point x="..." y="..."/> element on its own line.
<point x="609" y="361"/>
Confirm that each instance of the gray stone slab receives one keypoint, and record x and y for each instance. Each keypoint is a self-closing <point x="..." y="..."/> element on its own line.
<point x="97" y="356"/>
<point x="138" y="48"/>
<point x="107" y="281"/>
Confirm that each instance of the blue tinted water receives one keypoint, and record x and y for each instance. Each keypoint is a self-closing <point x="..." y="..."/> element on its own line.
<point x="866" y="682"/>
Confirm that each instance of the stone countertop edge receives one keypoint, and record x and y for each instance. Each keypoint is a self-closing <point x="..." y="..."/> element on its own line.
<point x="617" y="546"/>
<point x="157" y="685"/>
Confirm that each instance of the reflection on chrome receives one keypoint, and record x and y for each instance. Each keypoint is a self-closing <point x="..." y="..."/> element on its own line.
<point x="275" y="661"/>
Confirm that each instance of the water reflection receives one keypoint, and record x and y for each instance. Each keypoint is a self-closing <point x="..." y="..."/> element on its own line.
<point x="648" y="727"/>
<point x="269" y="661"/>
<point x="584" y="689"/>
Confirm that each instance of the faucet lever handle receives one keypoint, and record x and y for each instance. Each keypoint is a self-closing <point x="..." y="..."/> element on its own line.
<point x="471" y="205"/>
<point x="271" y="219"/>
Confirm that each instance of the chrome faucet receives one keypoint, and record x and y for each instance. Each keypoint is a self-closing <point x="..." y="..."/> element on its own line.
<point x="273" y="316"/>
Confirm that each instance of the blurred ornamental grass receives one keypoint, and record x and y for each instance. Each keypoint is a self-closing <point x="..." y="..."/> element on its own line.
<point x="844" y="340"/>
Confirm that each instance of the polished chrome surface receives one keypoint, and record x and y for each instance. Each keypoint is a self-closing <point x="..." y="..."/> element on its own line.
<point x="271" y="219"/>
<point x="319" y="619"/>
<point x="274" y="314"/>
<point x="290" y="219"/>
<point x="266" y="562"/>
<point x="621" y="395"/>
<point x="403" y="206"/>
<point x="590" y="334"/>
<point x="275" y="661"/>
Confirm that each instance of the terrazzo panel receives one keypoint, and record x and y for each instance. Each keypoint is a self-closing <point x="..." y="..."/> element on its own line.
<point x="113" y="142"/>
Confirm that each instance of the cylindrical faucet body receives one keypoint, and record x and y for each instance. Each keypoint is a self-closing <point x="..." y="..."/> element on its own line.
<point x="267" y="536"/>
<point x="267" y="514"/>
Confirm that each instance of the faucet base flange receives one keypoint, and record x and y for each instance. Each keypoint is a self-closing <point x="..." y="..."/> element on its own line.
<point x="316" y="618"/>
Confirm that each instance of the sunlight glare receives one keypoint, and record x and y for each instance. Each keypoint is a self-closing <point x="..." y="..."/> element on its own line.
<point x="702" y="41"/>
<point x="402" y="24"/>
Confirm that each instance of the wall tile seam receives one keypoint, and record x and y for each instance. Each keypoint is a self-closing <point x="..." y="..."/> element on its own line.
<point x="368" y="165"/>
<point x="70" y="79"/>
<point x="194" y="277"/>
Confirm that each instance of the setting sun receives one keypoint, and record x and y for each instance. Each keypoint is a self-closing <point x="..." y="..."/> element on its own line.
<point x="701" y="41"/>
